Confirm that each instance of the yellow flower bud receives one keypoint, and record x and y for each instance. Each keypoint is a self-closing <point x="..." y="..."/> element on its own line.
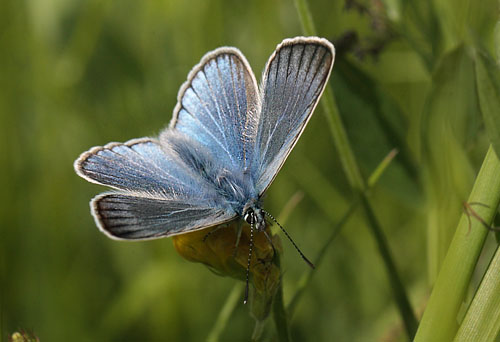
<point x="217" y="248"/>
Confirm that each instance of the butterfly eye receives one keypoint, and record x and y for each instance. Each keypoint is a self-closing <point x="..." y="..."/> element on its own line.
<point x="249" y="216"/>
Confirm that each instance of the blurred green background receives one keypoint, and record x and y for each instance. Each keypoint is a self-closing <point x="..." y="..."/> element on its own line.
<point x="75" y="74"/>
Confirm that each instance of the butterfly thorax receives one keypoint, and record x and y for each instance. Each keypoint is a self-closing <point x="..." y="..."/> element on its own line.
<point x="239" y="190"/>
<point x="229" y="185"/>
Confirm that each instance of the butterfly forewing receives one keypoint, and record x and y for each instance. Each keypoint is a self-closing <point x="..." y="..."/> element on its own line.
<point x="217" y="106"/>
<point x="293" y="81"/>
<point x="138" y="165"/>
<point x="129" y="217"/>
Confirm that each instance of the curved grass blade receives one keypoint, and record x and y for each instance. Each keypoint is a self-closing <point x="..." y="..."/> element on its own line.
<point x="439" y="322"/>
<point x="482" y="320"/>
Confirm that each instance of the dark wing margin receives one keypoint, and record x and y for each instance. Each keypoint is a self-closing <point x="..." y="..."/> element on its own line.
<point x="128" y="217"/>
<point x="218" y="106"/>
<point x="293" y="81"/>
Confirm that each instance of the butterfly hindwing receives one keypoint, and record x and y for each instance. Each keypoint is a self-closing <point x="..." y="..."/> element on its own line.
<point x="129" y="217"/>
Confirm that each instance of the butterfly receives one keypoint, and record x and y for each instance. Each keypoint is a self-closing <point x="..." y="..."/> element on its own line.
<point x="225" y="144"/>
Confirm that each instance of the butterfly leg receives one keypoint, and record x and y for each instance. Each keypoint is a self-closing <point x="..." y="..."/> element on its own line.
<point x="213" y="231"/>
<point x="270" y="242"/>
<point x="238" y="236"/>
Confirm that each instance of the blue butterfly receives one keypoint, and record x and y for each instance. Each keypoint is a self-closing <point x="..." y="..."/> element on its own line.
<point x="226" y="142"/>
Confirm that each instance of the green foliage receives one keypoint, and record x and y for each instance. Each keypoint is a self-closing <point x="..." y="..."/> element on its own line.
<point x="440" y="322"/>
<point x="449" y="122"/>
<point x="488" y="88"/>
<point x="419" y="76"/>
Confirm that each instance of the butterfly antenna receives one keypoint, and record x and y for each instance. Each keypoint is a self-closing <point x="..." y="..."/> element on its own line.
<point x="289" y="238"/>
<point x="245" y="300"/>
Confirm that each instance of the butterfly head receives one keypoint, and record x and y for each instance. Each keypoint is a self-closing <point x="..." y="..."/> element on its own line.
<point x="253" y="214"/>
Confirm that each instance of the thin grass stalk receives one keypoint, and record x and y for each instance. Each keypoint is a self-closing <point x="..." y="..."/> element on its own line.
<point x="306" y="278"/>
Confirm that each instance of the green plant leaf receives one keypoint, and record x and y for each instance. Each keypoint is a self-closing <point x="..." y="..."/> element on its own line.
<point x="421" y="29"/>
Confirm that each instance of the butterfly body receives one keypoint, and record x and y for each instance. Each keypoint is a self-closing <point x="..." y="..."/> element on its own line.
<point x="227" y="140"/>
<point x="234" y="188"/>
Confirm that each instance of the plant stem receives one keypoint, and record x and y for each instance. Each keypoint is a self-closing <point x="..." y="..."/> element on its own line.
<point x="358" y="185"/>
<point x="439" y="322"/>
<point x="257" y="331"/>
<point x="399" y="292"/>
<point x="341" y="141"/>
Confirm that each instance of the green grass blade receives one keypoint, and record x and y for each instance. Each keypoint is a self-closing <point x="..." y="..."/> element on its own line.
<point x="482" y="321"/>
<point x="439" y="322"/>
<point x="379" y="170"/>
